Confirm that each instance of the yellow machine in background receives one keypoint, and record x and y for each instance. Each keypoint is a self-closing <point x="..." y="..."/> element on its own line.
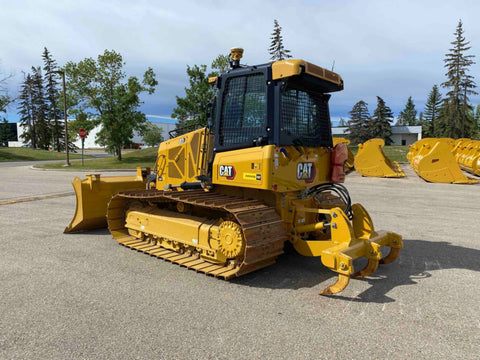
<point x="433" y="160"/>
<point x="467" y="154"/>
<point x="224" y="199"/>
<point x="371" y="161"/>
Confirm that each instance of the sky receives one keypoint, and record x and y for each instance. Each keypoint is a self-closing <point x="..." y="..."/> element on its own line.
<point x="386" y="48"/>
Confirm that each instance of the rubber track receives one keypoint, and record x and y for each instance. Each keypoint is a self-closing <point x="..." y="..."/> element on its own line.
<point x="262" y="228"/>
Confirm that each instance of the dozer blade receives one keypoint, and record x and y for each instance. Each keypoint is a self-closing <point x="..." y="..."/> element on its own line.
<point x="371" y="161"/>
<point x="93" y="195"/>
<point x="435" y="162"/>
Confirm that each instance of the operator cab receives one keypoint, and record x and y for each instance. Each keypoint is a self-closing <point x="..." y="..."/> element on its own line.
<point x="282" y="103"/>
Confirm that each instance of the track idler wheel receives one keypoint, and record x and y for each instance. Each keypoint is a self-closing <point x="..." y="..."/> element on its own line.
<point x="231" y="241"/>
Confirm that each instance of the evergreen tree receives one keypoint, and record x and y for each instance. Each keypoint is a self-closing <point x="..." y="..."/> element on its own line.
<point x="25" y="110"/>
<point x="51" y="96"/>
<point x="193" y="108"/>
<point x="276" y="50"/>
<point x="358" y="123"/>
<point x="454" y="119"/>
<point x="421" y="120"/>
<point x="477" y="122"/>
<point x="379" y="124"/>
<point x="408" y="116"/>
<point x="342" y="122"/>
<point x="39" y="107"/>
<point x="432" y="113"/>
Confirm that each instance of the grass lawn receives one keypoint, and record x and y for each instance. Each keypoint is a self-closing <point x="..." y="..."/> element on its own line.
<point x="394" y="153"/>
<point x="147" y="157"/>
<point x="142" y="158"/>
<point x="27" y="154"/>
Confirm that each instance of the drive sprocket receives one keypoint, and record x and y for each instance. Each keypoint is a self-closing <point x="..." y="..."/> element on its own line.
<point x="231" y="241"/>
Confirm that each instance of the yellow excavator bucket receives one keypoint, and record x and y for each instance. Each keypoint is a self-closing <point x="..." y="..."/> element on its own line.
<point x="93" y="195"/>
<point x="371" y="161"/>
<point x="417" y="146"/>
<point x="460" y="149"/>
<point x="350" y="156"/>
<point x="468" y="155"/>
<point x="434" y="161"/>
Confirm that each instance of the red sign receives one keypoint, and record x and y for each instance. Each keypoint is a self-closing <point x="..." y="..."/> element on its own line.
<point x="82" y="132"/>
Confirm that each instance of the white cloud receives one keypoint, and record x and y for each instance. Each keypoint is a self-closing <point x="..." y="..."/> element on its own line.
<point x="393" y="49"/>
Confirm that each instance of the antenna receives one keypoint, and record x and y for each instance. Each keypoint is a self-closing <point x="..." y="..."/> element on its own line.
<point x="333" y="65"/>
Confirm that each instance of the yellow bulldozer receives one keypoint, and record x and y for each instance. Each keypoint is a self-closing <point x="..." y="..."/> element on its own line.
<point x="224" y="199"/>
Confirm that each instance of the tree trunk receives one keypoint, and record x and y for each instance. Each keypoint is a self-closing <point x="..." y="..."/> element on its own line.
<point x="119" y="152"/>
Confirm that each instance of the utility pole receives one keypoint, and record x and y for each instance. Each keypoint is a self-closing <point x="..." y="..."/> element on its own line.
<point x="61" y="72"/>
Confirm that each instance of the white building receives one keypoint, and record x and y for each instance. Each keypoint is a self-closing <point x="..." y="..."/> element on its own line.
<point x="166" y="126"/>
<point x="401" y="135"/>
<point x="137" y="139"/>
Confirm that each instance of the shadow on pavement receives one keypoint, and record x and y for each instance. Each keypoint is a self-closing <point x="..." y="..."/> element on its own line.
<point x="418" y="260"/>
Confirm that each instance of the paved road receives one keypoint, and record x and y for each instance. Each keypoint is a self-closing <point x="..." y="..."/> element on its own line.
<point x="85" y="297"/>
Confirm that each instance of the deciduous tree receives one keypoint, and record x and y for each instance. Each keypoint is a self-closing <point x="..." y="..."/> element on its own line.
<point x="102" y="86"/>
<point x="221" y="64"/>
<point x="5" y="99"/>
<point x="193" y="108"/>
<point x="152" y="135"/>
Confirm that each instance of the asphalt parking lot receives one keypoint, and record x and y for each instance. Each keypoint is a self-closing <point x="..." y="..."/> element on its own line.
<point x="83" y="296"/>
